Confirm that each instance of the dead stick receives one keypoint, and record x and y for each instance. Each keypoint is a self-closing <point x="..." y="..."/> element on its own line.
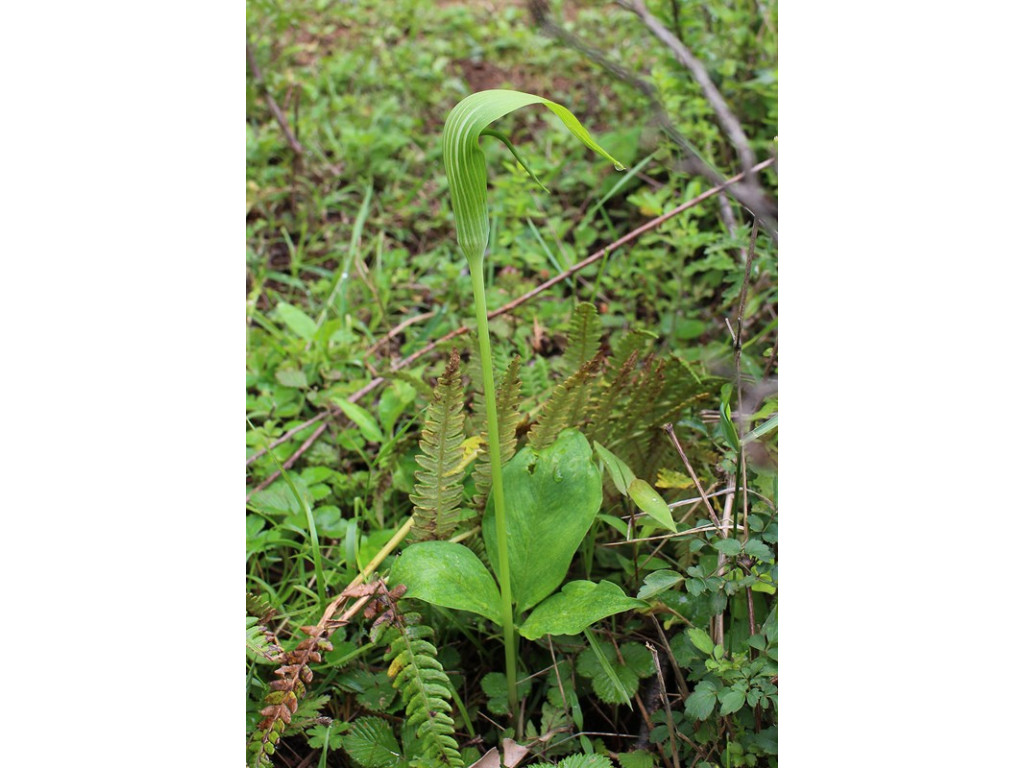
<point x="684" y="56"/>
<point x="693" y="475"/>
<point x="274" y="109"/>
<point x="737" y="360"/>
<point x="669" y="722"/>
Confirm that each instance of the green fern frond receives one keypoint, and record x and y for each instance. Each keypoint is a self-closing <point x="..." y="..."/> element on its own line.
<point x="438" y="489"/>
<point x="634" y="341"/>
<point x="584" y="761"/>
<point x="508" y="418"/>
<point x="566" y="407"/>
<point x="260" y="643"/>
<point x="536" y="377"/>
<point x="500" y="359"/>
<point x="258" y="606"/>
<point x="584" y="337"/>
<point x="426" y="689"/>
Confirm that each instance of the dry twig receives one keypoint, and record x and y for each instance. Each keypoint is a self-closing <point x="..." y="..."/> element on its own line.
<point x="271" y="103"/>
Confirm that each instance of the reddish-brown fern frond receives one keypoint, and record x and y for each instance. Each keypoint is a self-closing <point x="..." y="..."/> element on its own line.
<point x="295" y="674"/>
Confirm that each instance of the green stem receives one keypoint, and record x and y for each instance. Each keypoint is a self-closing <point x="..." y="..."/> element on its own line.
<point x="497" y="486"/>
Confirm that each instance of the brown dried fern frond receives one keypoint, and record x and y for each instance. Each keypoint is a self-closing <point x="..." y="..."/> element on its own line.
<point x="294" y="672"/>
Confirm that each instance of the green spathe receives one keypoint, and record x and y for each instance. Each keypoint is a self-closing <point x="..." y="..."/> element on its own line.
<point x="443" y="573"/>
<point x="552" y="497"/>
<point x="577" y="606"/>
<point x="464" y="160"/>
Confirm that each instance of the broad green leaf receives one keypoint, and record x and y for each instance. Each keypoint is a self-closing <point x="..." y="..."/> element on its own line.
<point x="760" y="550"/>
<point x="701" y="639"/>
<point x="297" y="321"/>
<point x="578" y="605"/>
<point x="443" y="573"/>
<point x="728" y="547"/>
<point x="362" y="418"/>
<point x="732" y="700"/>
<point x="640" y="759"/>
<point x="552" y="497"/>
<point x="464" y="159"/>
<point x="701" y="702"/>
<point x="619" y="472"/>
<point x="650" y="501"/>
<point x="657" y="582"/>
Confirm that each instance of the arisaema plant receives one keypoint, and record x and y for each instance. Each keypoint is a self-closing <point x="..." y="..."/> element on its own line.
<point x="466" y="170"/>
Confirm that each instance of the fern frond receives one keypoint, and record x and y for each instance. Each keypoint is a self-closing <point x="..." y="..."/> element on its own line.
<point x="566" y="407"/>
<point x="500" y="359"/>
<point x="426" y="689"/>
<point x="536" y="377"/>
<point x="438" y="489"/>
<point x="603" y="411"/>
<point x="584" y="337"/>
<point x="283" y="700"/>
<point x="260" y="642"/>
<point x="258" y="606"/>
<point x="508" y="417"/>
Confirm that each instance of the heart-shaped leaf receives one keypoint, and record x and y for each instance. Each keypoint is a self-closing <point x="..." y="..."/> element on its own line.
<point x="552" y="497"/>
<point x="448" y="574"/>
<point x="577" y="606"/>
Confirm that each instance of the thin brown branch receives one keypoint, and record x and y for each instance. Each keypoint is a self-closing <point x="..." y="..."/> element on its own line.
<point x="684" y="689"/>
<point x="685" y="56"/>
<point x="306" y="445"/>
<point x="669" y="722"/>
<point x="275" y="110"/>
<point x="737" y="361"/>
<point x="748" y="193"/>
<point x="592" y="258"/>
<point x="398" y="329"/>
<point x="693" y="475"/>
<point x="719" y="634"/>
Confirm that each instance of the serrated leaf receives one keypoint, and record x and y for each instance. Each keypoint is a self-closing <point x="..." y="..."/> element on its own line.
<point x="585" y="761"/>
<point x="371" y="743"/>
<point x="701" y="702"/>
<point x="362" y="418"/>
<point x="578" y="605"/>
<point x="464" y="159"/>
<point x="728" y="547"/>
<point x="758" y="549"/>
<point x="657" y="582"/>
<point x="650" y="501"/>
<point x="448" y="574"/>
<point x="732" y="700"/>
<point x="640" y="759"/>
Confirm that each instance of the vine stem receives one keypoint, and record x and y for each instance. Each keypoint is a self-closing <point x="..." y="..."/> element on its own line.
<point x="497" y="485"/>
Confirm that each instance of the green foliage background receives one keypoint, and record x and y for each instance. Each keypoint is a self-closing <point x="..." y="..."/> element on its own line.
<point x="354" y="238"/>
